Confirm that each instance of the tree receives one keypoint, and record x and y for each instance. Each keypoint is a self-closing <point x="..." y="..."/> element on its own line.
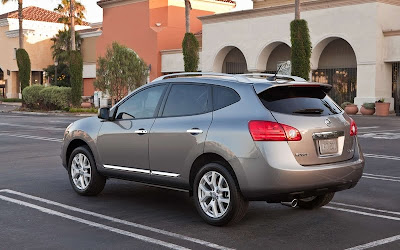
<point x="20" y="18"/>
<point x="119" y="71"/>
<point x="76" y="77"/>
<point x="63" y="75"/>
<point x="62" y="46"/>
<point x="24" y="67"/>
<point x="190" y="45"/>
<point x="65" y="10"/>
<point x="301" y="45"/>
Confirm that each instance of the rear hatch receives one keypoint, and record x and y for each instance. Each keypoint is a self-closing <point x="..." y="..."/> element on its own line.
<point x="324" y="129"/>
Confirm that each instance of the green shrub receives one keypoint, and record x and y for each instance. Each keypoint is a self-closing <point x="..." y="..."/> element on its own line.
<point x="24" y="67"/>
<point x="76" y="71"/>
<point x="369" y="105"/>
<point x="190" y="49"/>
<point x="55" y="98"/>
<point x="301" y="48"/>
<point x="345" y="104"/>
<point x="10" y="100"/>
<point x="31" y="97"/>
<point x="83" y="110"/>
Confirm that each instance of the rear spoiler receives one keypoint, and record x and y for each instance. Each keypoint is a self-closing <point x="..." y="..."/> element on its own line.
<point x="261" y="87"/>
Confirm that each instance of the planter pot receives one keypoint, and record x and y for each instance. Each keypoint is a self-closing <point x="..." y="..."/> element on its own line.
<point x="351" y="109"/>
<point x="86" y="105"/>
<point x="382" y="108"/>
<point x="365" y="111"/>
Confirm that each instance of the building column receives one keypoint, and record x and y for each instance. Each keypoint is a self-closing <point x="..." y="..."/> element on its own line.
<point x="374" y="81"/>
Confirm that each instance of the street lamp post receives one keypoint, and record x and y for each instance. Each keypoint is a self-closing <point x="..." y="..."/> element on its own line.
<point x="55" y="73"/>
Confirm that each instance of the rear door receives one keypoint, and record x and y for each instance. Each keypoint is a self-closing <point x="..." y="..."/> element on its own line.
<point x="178" y="134"/>
<point x="324" y="128"/>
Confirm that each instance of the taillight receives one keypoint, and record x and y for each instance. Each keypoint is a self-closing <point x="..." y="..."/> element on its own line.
<point x="353" y="127"/>
<point x="273" y="131"/>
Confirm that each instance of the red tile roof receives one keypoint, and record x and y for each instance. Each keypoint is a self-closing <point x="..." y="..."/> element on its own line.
<point x="36" y="14"/>
<point x="106" y="1"/>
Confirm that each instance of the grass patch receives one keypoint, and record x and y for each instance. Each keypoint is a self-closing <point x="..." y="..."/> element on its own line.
<point x="10" y="100"/>
<point x="83" y="110"/>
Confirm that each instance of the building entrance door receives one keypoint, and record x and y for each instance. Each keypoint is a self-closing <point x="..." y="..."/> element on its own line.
<point x="396" y="86"/>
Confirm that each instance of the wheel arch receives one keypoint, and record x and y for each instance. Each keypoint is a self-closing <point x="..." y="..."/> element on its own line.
<point x="204" y="159"/>
<point x="75" y="143"/>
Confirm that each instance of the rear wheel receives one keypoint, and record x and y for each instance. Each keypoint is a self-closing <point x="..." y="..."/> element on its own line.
<point x="217" y="197"/>
<point x="315" y="201"/>
<point x="83" y="174"/>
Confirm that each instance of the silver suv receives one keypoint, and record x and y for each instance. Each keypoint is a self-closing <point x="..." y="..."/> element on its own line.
<point x="226" y="139"/>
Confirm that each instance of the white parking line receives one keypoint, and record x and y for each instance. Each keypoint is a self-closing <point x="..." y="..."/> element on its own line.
<point x="33" y="137"/>
<point x="30" y="126"/>
<point x="387" y="157"/>
<point x="379" y="131"/>
<point x="384" y="176"/>
<point x="93" y="224"/>
<point x="365" y="208"/>
<point x="368" y="127"/>
<point x="363" y="213"/>
<point x="378" y="178"/>
<point x="124" y="222"/>
<point x="376" y="243"/>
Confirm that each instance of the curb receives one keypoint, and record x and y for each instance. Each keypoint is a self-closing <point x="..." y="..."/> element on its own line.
<point x="48" y="114"/>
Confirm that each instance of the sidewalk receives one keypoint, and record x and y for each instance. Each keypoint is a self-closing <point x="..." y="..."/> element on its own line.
<point x="9" y="106"/>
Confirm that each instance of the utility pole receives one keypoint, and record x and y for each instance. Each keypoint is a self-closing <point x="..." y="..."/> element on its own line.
<point x="72" y="28"/>
<point x="297" y="10"/>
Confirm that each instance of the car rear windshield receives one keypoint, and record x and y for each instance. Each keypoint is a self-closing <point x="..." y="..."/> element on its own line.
<point x="299" y="101"/>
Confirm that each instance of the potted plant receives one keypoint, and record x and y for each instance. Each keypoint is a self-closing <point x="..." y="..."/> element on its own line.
<point x="368" y="108"/>
<point x="382" y="107"/>
<point x="349" y="108"/>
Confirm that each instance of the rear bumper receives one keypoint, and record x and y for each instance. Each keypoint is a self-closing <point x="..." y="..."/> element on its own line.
<point x="282" y="178"/>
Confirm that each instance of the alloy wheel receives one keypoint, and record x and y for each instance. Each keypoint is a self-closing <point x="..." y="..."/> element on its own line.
<point x="80" y="171"/>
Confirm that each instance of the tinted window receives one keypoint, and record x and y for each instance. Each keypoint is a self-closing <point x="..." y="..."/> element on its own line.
<point x="141" y="105"/>
<point x="187" y="100"/>
<point x="223" y="97"/>
<point x="299" y="101"/>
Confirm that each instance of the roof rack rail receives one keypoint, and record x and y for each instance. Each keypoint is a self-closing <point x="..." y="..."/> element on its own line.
<point x="277" y="77"/>
<point x="238" y="78"/>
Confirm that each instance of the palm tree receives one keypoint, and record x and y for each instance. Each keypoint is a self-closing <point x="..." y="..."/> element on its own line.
<point x="62" y="45"/>
<point x="297" y="10"/>
<point x="188" y="7"/>
<point x="20" y="18"/>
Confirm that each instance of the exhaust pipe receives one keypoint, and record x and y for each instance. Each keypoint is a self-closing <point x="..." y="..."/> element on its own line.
<point x="292" y="203"/>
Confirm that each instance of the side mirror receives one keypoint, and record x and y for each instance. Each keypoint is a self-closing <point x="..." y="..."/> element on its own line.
<point x="104" y="113"/>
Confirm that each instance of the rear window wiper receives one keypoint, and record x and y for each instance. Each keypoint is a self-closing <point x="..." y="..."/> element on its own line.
<point x="309" y="111"/>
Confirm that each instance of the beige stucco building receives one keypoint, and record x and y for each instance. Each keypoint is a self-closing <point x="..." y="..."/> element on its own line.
<point x="39" y="26"/>
<point x="356" y="44"/>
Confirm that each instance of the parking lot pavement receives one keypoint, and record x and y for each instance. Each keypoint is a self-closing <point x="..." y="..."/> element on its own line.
<point x="38" y="208"/>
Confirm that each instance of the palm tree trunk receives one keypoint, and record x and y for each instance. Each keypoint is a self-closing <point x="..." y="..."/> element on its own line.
<point x="20" y="31"/>
<point x="297" y="10"/>
<point x="72" y="28"/>
<point x="188" y="7"/>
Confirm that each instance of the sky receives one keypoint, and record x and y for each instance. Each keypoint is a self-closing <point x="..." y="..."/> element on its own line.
<point x="93" y="12"/>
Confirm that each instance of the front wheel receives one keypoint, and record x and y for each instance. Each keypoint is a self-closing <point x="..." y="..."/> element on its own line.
<point x="83" y="174"/>
<point x="315" y="201"/>
<point x="217" y="197"/>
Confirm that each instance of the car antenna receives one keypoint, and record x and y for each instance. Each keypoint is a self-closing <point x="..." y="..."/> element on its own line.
<point x="273" y="78"/>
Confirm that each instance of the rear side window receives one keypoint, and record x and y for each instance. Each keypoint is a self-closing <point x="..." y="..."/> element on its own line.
<point x="223" y="97"/>
<point x="299" y="101"/>
<point x="187" y="99"/>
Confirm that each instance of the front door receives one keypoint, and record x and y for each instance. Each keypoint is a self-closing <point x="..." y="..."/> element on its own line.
<point x="177" y="136"/>
<point x="123" y="143"/>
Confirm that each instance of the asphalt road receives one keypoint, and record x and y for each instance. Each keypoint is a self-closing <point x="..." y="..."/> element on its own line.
<point x="39" y="209"/>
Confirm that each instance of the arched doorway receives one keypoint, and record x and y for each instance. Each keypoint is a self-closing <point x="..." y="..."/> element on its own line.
<point x="337" y="65"/>
<point x="2" y="84"/>
<point x="279" y="55"/>
<point x="234" y="62"/>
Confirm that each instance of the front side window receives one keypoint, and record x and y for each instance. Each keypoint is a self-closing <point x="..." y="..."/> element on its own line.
<point x="141" y="105"/>
<point x="184" y="100"/>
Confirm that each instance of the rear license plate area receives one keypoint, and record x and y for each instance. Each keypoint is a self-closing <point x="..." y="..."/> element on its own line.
<point x="328" y="147"/>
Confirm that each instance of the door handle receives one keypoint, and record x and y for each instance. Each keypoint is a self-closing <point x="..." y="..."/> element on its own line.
<point x="141" y="131"/>
<point x="194" y="131"/>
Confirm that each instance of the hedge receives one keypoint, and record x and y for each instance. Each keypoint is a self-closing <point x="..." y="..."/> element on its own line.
<point x="31" y="97"/>
<point x="76" y="71"/>
<point x="24" y="67"/>
<point x="190" y="49"/>
<point x="48" y="98"/>
<point x="301" y="48"/>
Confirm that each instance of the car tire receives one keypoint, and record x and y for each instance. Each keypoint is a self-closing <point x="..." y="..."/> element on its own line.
<point x="317" y="202"/>
<point x="225" y="190"/>
<point x="83" y="174"/>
